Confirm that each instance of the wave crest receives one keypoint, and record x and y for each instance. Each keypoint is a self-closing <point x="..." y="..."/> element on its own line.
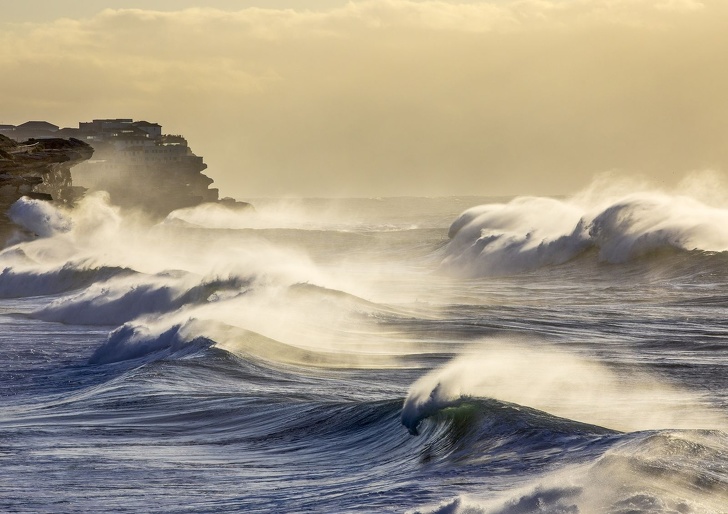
<point x="39" y="217"/>
<point x="529" y="233"/>
<point x="560" y="384"/>
<point x="130" y="342"/>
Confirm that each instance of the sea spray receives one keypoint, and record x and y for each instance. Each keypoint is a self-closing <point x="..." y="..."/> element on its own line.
<point x="529" y="233"/>
<point x="125" y="271"/>
<point x="279" y="357"/>
<point x="532" y="374"/>
<point x="649" y="472"/>
<point x="40" y="217"/>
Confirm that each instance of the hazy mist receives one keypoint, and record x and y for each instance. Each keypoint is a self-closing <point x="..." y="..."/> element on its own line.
<point x="394" y="97"/>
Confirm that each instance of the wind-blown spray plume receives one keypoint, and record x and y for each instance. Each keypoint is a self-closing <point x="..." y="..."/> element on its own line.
<point x="559" y="383"/>
<point x="529" y="233"/>
<point x="244" y="293"/>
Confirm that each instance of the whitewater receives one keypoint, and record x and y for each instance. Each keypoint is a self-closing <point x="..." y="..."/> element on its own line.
<point x="420" y="355"/>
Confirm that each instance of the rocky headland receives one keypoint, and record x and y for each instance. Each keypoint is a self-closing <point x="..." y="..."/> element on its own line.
<point x="41" y="168"/>
<point x="139" y="166"/>
<point x="38" y="168"/>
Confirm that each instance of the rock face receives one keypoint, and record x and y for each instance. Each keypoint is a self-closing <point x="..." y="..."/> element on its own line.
<point x="39" y="168"/>
<point x="140" y="167"/>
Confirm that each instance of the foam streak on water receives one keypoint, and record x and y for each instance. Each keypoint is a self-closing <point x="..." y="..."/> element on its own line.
<point x="445" y="355"/>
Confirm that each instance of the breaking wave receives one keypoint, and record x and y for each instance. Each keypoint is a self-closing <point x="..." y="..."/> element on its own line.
<point x="647" y="472"/>
<point x="529" y="232"/>
<point x="39" y="217"/>
<point x="17" y="282"/>
<point x="478" y="411"/>
<point x="122" y="299"/>
<point x="559" y="383"/>
<point x="299" y="350"/>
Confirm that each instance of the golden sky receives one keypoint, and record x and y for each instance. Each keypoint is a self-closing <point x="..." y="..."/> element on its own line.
<point x="388" y="97"/>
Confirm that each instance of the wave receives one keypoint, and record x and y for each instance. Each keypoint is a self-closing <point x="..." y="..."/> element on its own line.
<point x="487" y="432"/>
<point x="559" y="383"/>
<point x="528" y="233"/>
<point x="171" y="289"/>
<point x="180" y="335"/>
<point x="302" y="324"/>
<point x="130" y="342"/>
<point x="121" y="299"/>
<point x="649" y="472"/>
<point x="39" y="217"/>
<point x="16" y="282"/>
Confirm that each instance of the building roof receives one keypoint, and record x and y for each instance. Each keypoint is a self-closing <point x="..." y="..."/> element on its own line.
<point x="117" y="120"/>
<point x="145" y="124"/>
<point x="37" y="125"/>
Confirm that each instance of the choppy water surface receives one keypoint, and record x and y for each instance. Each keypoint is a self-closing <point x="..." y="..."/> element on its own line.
<point x="444" y="355"/>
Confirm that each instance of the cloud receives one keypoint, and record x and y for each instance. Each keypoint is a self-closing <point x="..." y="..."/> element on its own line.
<point x="396" y="96"/>
<point x="680" y="5"/>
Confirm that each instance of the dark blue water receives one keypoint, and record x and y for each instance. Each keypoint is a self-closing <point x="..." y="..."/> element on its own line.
<point x="348" y="356"/>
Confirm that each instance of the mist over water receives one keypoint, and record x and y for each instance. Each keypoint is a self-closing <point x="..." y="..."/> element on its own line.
<point x="383" y="355"/>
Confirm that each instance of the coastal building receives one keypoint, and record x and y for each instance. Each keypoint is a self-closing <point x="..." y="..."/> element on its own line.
<point x="104" y="125"/>
<point x="138" y="165"/>
<point x="154" y="130"/>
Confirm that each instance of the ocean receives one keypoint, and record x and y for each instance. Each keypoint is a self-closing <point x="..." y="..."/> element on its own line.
<point x="412" y="355"/>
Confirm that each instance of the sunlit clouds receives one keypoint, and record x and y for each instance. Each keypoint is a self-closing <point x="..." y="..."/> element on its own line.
<point x="395" y="97"/>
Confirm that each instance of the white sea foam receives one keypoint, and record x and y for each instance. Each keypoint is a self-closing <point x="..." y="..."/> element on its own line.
<point x="40" y="217"/>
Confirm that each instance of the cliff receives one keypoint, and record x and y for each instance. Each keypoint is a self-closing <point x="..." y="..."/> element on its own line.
<point x="39" y="168"/>
<point x="133" y="161"/>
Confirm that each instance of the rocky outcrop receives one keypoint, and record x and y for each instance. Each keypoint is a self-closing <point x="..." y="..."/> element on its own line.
<point x="38" y="168"/>
<point x="138" y="166"/>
